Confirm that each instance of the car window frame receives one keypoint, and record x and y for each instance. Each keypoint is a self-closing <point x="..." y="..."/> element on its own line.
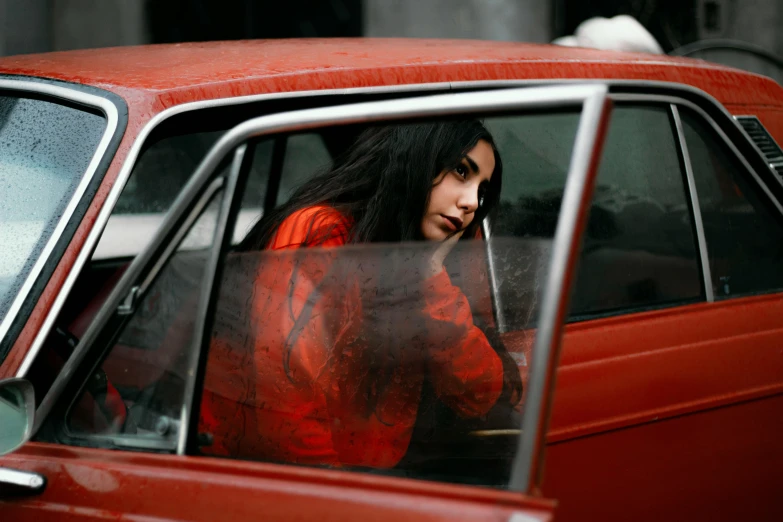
<point x="578" y="191"/>
<point x="115" y="113"/>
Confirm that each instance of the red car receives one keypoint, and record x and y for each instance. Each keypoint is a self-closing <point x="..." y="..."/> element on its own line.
<point x="633" y="269"/>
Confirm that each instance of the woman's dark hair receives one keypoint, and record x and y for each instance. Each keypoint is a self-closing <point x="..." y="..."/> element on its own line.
<point x="383" y="182"/>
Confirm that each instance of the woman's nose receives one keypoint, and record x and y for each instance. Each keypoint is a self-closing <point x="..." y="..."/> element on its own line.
<point x="468" y="200"/>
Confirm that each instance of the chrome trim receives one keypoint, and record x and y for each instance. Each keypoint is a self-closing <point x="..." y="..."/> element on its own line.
<point x="679" y="101"/>
<point x="132" y="442"/>
<point x="697" y="221"/>
<point x="112" y="118"/>
<point x="519" y="516"/>
<point x="425" y="106"/>
<point x="122" y="178"/>
<point x="27" y="481"/>
<point x="207" y="287"/>
<point x="577" y="195"/>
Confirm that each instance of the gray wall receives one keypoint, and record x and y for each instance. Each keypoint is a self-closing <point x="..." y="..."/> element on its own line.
<point x="33" y="26"/>
<point x="527" y="20"/>
<point x="82" y="24"/>
<point x="24" y="26"/>
<point x="29" y="26"/>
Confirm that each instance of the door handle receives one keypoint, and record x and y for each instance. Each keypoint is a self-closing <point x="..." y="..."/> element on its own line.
<point x="21" y="482"/>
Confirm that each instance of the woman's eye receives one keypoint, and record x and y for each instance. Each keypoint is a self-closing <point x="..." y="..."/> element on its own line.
<point x="462" y="170"/>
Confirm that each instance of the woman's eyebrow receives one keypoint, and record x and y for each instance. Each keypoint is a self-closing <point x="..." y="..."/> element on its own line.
<point x="472" y="164"/>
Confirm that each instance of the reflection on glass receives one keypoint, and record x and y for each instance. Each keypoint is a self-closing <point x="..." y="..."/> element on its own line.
<point x="639" y="247"/>
<point x="360" y="357"/>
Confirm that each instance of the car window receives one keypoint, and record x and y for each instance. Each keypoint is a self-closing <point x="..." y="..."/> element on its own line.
<point x="267" y="404"/>
<point x="743" y="230"/>
<point x="45" y="149"/>
<point x="639" y="247"/>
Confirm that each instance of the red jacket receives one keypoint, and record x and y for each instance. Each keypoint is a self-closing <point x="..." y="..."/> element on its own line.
<point x="304" y="311"/>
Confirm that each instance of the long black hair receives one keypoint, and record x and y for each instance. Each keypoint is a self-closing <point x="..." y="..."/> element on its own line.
<point x="382" y="183"/>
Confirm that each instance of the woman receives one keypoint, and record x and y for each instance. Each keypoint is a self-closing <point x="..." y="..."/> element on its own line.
<point x="343" y="340"/>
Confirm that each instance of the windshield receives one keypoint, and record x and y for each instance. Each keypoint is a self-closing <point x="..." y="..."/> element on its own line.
<point x="45" y="149"/>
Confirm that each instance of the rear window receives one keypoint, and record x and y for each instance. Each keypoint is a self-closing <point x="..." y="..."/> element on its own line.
<point x="45" y="149"/>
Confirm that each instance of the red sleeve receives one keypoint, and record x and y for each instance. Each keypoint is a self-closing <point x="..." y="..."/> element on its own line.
<point x="313" y="226"/>
<point x="466" y="371"/>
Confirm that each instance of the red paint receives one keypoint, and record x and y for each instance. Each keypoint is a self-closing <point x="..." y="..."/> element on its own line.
<point x="674" y="414"/>
<point x="182" y="73"/>
<point x="96" y="483"/>
<point x="684" y="399"/>
<point x="720" y="464"/>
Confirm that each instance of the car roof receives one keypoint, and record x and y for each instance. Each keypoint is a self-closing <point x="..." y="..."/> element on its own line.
<point x="178" y="73"/>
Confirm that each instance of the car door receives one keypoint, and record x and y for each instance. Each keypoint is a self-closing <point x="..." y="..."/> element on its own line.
<point x="669" y="382"/>
<point x="152" y="458"/>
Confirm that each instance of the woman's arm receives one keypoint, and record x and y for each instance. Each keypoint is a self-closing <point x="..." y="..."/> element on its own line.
<point x="466" y="372"/>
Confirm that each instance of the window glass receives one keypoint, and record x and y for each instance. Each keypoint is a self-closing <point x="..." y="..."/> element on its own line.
<point x="539" y="148"/>
<point x="639" y="248"/>
<point x="305" y="155"/>
<point x="138" y="390"/>
<point x="161" y="170"/>
<point x="45" y="149"/>
<point x="362" y="357"/>
<point x="160" y="173"/>
<point x="744" y="231"/>
<point x="374" y="357"/>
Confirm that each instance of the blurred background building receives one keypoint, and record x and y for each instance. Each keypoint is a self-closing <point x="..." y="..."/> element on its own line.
<point x="743" y="33"/>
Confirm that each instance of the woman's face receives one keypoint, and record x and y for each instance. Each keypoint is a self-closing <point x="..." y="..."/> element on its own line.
<point x="455" y="193"/>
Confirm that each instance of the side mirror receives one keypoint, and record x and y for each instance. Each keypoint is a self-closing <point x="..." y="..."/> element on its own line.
<point x="17" y="410"/>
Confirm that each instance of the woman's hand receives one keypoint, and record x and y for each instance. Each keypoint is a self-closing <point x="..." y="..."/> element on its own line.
<point x="441" y="252"/>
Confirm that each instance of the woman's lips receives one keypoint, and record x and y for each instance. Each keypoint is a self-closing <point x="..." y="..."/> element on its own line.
<point x="454" y="223"/>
